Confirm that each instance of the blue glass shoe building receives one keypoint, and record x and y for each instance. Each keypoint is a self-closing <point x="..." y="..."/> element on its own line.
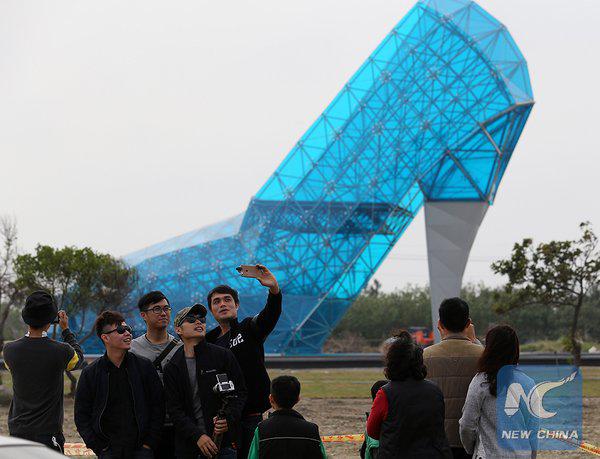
<point x="431" y="119"/>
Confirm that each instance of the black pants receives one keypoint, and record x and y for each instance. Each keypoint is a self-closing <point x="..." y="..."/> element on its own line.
<point x="460" y="453"/>
<point x="248" y="426"/>
<point x="52" y="441"/>
<point x="166" y="445"/>
<point x="126" y="453"/>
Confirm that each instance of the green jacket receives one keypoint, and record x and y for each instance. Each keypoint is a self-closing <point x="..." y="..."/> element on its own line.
<point x="254" y="447"/>
<point x="372" y="444"/>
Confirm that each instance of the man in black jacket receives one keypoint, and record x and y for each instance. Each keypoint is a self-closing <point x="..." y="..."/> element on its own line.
<point x="37" y="365"/>
<point x="246" y="340"/>
<point x="190" y="382"/>
<point x="285" y="434"/>
<point x="119" y="405"/>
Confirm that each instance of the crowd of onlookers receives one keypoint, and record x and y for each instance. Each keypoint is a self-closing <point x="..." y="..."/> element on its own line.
<point x="204" y="394"/>
<point x="441" y="402"/>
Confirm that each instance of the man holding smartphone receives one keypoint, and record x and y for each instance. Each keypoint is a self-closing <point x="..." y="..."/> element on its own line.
<point x="246" y="340"/>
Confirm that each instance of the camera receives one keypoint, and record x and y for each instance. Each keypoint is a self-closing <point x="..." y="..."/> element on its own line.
<point x="224" y="386"/>
<point x="225" y="389"/>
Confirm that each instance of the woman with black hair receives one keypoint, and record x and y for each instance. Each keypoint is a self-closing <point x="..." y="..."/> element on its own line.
<point x="408" y="413"/>
<point x="479" y="422"/>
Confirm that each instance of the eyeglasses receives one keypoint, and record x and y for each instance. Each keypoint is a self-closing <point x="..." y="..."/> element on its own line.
<point x="120" y="330"/>
<point x="159" y="309"/>
<point x="193" y="319"/>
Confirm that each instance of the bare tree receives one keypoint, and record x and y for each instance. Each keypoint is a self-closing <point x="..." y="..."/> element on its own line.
<point x="9" y="293"/>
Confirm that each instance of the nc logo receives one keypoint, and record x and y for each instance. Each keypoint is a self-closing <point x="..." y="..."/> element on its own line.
<point x="535" y="399"/>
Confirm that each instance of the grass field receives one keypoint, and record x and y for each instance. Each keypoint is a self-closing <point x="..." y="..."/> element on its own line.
<point x="356" y="383"/>
<point x="337" y="400"/>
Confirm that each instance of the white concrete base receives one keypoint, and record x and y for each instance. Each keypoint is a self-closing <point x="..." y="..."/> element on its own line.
<point x="451" y="227"/>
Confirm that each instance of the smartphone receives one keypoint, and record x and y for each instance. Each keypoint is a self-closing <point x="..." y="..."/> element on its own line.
<point x="249" y="271"/>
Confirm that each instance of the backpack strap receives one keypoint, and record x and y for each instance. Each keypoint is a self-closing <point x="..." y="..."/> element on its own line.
<point x="158" y="360"/>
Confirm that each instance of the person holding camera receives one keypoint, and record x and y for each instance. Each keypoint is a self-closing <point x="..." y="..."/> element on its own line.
<point x="119" y="405"/>
<point x="246" y="340"/>
<point x="158" y="346"/>
<point x="205" y="391"/>
<point x="37" y="365"/>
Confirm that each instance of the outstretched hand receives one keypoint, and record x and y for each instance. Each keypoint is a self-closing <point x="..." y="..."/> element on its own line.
<point x="267" y="279"/>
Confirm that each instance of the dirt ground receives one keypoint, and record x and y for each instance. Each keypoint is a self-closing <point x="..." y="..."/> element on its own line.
<point x="346" y="416"/>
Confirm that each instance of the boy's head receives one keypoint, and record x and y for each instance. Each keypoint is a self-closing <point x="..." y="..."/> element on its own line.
<point x="155" y="310"/>
<point x="223" y="302"/>
<point x="190" y="323"/>
<point x="113" y="331"/>
<point x="40" y="310"/>
<point x="285" y="392"/>
<point x="454" y="315"/>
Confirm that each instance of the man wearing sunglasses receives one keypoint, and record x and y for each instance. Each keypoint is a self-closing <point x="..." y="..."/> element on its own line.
<point x="158" y="346"/>
<point x="192" y="403"/>
<point x="119" y="405"/>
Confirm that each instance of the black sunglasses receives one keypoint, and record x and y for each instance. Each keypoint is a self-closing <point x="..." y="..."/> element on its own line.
<point x="120" y="330"/>
<point x="193" y="319"/>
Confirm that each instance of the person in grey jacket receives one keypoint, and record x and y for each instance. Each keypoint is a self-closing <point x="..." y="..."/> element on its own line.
<point x="478" y="424"/>
<point x="158" y="346"/>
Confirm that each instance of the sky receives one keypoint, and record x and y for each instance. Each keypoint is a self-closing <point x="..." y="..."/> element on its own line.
<point x="126" y="123"/>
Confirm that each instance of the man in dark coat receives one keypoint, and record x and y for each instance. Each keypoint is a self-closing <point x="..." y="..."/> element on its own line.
<point x="246" y="340"/>
<point x="119" y="405"/>
<point x="194" y="395"/>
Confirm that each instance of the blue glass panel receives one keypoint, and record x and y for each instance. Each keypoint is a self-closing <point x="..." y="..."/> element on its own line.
<point x="433" y="114"/>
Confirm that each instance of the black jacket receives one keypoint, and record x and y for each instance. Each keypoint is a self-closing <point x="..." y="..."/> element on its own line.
<point x="247" y="344"/>
<point x="92" y="396"/>
<point x="285" y="434"/>
<point x="210" y="361"/>
<point x="414" y="427"/>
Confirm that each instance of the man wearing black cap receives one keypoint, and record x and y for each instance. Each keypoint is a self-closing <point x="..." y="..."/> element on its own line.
<point x="191" y="387"/>
<point x="37" y="365"/>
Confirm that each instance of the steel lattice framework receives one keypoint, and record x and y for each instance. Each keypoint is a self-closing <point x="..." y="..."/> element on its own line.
<point x="433" y="114"/>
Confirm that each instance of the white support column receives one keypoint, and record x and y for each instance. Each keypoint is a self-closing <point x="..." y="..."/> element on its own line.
<point x="451" y="227"/>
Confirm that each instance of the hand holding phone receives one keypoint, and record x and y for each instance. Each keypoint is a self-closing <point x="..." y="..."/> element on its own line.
<point x="252" y="271"/>
<point x="262" y="273"/>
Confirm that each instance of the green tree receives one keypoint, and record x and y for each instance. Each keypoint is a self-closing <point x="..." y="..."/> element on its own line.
<point x="84" y="283"/>
<point x="556" y="274"/>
